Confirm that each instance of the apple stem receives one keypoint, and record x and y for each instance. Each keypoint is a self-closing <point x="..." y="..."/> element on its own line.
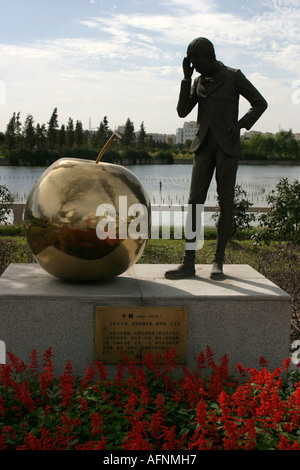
<point x="110" y="140"/>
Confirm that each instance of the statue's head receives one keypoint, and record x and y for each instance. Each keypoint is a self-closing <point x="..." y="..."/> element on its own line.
<point x="201" y="53"/>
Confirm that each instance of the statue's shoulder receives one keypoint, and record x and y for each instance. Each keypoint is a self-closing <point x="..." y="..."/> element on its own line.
<point x="230" y="74"/>
<point x="231" y="70"/>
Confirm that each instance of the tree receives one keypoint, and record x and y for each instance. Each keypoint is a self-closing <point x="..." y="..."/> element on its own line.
<point x="70" y="133"/>
<point x="13" y="131"/>
<point x="287" y="145"/>
<point x="52" y="129"/>
<point x="79" y="134"/>
<point x="254" y="147"/>
<point x="269" y="146"/>
<point x="10" y="134"/>
<point x="282" y="221"/>
<point x="62" y="137"/>
<point x="141" y="141"/>
<point x="187" y="145"/>
<point x="103" y="133"/>
<point x="128" y="139"/>
<point x="150" y="141"/>
<point x="29" y="132"/>
<point x="41" y="136"/>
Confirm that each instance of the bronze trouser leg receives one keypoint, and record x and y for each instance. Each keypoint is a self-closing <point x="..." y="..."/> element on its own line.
<point x="208" y="159"/>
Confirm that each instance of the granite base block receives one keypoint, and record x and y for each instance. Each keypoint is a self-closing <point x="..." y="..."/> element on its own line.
<point x="246" y="316"/>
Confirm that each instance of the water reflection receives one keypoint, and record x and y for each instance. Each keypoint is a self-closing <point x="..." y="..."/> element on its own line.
<point x="174" y="189"/>
<point x="169" y="184"/>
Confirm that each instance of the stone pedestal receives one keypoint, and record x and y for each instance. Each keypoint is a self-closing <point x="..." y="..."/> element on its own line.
<point x="246" y="316"/>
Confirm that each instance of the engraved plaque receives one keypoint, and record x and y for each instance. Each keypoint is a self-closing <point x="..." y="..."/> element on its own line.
<point x="139" y="330"/>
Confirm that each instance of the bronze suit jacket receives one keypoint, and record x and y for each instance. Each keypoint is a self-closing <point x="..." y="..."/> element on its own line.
<point x="218" y="106"/>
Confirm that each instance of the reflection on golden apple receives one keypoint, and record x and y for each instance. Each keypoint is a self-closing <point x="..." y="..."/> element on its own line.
<point x="62" y="223"/>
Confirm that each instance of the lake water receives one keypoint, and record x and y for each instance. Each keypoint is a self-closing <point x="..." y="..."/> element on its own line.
<point x="257" y="180"/>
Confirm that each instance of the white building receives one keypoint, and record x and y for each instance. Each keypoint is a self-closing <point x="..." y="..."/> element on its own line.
<point x="186" y="132"/>
<point x="158" y="137"/>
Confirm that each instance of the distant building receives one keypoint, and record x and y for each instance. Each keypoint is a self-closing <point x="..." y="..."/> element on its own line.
<point x="269" y="134"/>
<point x="251" y="133"/>
<point x="186" y="132"/>
<point x="171" y="137"/>
<point x="162" y="138"/>
<point x="158" y="137"/>
<point x="121" y="129"/>
<point x="179" y="136"/>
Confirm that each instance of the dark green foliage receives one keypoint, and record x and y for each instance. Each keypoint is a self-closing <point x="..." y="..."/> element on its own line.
<point x="282" y="145"/>
<point x="282" y="221"/>
<point x="241" y="218"/>
<point x="5" y="200"/>
<point x="38" y="157"/>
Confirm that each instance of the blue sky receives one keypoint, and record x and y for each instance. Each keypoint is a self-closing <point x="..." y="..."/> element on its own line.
<point x="120" y="59"/>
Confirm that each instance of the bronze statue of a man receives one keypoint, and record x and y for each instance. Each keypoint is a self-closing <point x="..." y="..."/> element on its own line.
<point x="216" y="144"/>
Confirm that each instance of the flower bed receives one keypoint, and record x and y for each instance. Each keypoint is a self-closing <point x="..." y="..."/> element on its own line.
<point x="149" y="406"/>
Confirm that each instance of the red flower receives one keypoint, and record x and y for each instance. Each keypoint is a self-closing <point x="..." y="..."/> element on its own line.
<point x="157" y="419"/>
<point x="34" y="365"/>
<point x="169" y="440"/>
<point x="284" y="444"/>
<point x="66" y="385"/>
<point x="263" y="362"/>
<point x="228" y="414"/>
<point x="18" y="365"/>
<point x="89" y="375"/>
<point x="286" y="363"/>
<point x="136" y="439"/>
<point x="97" y="423"/>
<point x="22" y="391"/>
<point x="47" y="376"/>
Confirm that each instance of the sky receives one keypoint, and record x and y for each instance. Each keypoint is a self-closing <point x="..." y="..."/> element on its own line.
<point x="123" y="58"/>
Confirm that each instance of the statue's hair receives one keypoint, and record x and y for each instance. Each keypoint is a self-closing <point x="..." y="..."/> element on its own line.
<point x="201" y="46"/>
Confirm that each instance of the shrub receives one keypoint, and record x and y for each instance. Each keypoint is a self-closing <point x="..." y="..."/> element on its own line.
<point x="241" y="218"/>
<point x="6" y="199"/>
<point x="38" y="157"/>
<point x="282" y="221"/>
<point x="164" y="155"/>
<point x="146" y="407"/>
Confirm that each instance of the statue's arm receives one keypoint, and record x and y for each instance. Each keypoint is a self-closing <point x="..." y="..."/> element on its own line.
<point x="256" y="100"/>
<point x="187" y="98"/>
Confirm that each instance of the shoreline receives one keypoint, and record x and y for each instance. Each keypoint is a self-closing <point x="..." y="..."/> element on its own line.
<point x="186" y="161"/>
<point x="248" y="162"/>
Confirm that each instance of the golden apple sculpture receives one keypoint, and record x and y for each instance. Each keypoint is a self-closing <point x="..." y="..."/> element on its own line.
<point x="87" y="220"/>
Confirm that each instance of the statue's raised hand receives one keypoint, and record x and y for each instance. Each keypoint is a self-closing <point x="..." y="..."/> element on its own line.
<point x="188" y="68"/>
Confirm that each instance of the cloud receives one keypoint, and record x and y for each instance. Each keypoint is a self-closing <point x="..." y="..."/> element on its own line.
<point x="285" y="58"/>
<point x="191" y="6"/>
<point x="129" y="65"/>
<point x="190" y="19"/>
<point x="281" y="5"/>
<point x="67" y="74"/>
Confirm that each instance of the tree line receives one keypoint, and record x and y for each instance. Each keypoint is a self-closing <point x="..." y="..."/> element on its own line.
<point x="51" y="136"/>
<point x="42" y="144"/>
<point x="283" y="145"/>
